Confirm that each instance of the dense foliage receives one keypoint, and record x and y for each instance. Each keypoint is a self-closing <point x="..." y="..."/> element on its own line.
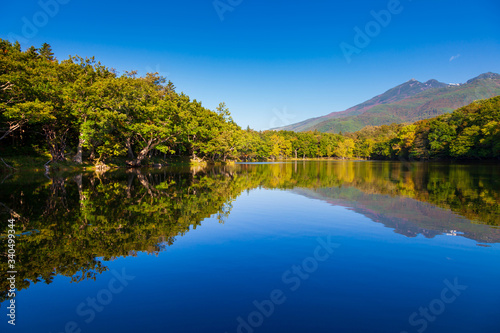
<point x="78" y="109"/>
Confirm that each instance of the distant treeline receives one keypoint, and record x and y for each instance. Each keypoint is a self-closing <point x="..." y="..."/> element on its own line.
<point x="80" y="110"/>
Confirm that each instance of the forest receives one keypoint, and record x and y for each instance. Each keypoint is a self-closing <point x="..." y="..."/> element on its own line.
<point x="79" y="111"/>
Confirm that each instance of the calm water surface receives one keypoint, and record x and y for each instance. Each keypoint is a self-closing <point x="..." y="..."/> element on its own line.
<point x="291" y="247"/>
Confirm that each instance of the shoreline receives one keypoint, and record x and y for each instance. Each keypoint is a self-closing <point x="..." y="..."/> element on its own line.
<point x="38" y="164"/>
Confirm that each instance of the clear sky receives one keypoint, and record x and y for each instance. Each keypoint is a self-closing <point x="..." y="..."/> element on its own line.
<point x="272" y="62"/>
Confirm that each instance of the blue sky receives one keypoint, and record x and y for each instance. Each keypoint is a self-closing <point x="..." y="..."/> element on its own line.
<point x="272" y="62"/>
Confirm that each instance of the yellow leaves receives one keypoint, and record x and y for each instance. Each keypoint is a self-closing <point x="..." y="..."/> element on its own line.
<point x="345" y="148"/>
<point x="407" y="135"/>
<point x="281" y="147"/>
<point x="491" y="128"/>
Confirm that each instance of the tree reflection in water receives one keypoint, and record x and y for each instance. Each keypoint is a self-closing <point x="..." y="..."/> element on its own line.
<point x="70" y="224"/>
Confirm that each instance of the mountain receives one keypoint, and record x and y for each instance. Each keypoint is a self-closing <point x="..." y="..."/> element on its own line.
<point x="407" y="216"/>
<point x="407" y="102"/>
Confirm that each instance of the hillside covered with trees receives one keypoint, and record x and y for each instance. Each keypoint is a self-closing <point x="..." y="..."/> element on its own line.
<point x="406" y="103"/>
<point x="79" y="110"/>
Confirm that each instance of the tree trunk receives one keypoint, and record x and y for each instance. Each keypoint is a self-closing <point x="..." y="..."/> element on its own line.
<point x="151" y="144"/>
<point x="79" y="149"/>
<point x="79" y="183"/>
<point x="57" y="200"/>
<point x="138" y="160"/>
<point x="129" y="185"/>
<point x="142" y="154"/>
<point x="130" y="151"/>
<point x="56" y="142"/>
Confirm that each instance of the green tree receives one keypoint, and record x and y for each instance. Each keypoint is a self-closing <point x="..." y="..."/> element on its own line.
<point x="46" y="52"/>
<point x="441" y="135"/>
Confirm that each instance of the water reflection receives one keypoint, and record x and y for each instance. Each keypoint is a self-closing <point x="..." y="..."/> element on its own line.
<point x="70" y="224"/>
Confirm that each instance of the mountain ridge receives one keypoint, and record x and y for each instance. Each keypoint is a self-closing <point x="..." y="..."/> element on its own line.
<point x="407" y="102"/>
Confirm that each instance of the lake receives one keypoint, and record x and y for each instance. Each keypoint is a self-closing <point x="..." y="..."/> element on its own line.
<point x="332" y="246"/>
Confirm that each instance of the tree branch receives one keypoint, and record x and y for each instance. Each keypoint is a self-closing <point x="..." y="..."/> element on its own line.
<point x="8" y="166"/>
<point x="13" y="213"/>
<point x="12" y="128"/>
<point x="6" y="86"/>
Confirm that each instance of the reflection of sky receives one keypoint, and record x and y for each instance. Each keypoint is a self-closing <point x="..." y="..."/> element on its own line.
<point x="210" y="276"/>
